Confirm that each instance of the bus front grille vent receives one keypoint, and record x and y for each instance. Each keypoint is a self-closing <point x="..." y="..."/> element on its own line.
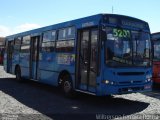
<point x="130" y="82"/>
<point x="133" y="89"/>
<point x="130" y="73"/>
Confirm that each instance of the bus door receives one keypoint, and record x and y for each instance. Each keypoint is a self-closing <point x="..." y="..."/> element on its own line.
<point x="10" y="55"/>
<point x="87" y="59"/>
<point x="34" y="57"/>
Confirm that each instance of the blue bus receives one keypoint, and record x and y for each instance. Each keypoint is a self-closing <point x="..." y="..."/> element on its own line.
<point x="103" y="54"/>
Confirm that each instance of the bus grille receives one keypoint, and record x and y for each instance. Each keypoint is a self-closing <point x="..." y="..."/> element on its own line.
<point x="130" y="73"/>
<point x="130" y="82"/>
<point x="133" y="89"/>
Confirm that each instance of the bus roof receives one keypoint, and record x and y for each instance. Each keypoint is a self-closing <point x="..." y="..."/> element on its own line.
<point x="77" y="22"/>
<point x="155" y="35"/>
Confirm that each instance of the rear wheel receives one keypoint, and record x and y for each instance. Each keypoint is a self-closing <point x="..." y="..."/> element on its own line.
<point x="18" y="74"/>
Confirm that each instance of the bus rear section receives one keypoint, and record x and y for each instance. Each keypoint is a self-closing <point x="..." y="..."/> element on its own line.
<point x="156" y="57"/>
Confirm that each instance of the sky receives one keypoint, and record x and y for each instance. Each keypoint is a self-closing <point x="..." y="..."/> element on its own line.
<point x="22" y="15"/>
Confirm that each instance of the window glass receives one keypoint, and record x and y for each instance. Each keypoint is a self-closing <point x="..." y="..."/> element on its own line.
<point x="94" y="50"/>
<point x="48" y="46"/>
<point x="67" y="33"/>
<point x="26" y="40"/>
<point x="62" y="34"/>
<point x="65" y="46"/>
<point x="84" y="46"/>
<point x="10" y="48"/>
<point x="125" y="47"/>
<point x="141" y="47"/>
<point x="12" y="43"/>
<point x="16" y="47"/>
<point x="25" y="49"/>
<point x="118" y="46"/>
<point x="71" y="33"/>
<point x="49" y="36"/>
<point x="18" y="41"/>
<point x="65" y="41"/>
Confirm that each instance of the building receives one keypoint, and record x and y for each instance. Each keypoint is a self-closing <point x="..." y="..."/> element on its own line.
<point x="2" y="41"/>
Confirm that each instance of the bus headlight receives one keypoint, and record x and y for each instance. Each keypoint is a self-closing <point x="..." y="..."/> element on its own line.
<point x="106" y="81"/>
<point x="109" y="82"/>
<point x="148" y="78"/>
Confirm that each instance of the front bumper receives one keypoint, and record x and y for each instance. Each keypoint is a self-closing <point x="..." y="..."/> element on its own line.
<point x="119" y="90"/>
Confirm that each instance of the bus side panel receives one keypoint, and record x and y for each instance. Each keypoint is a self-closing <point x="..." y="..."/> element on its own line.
<point x="15" y="61"/>
<point x="66" y="61"/>
<point x="100" y="78"/>
<point x="51" y="65"/>
<point x="47" y="68"/>
<point x="46" y="72"/>
<point x="24" y="64"/>
<point x="48" y="77"/>
<point x="5" y="61"/>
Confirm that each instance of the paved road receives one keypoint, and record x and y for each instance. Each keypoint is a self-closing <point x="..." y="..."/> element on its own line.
<point x="33" y="100"/>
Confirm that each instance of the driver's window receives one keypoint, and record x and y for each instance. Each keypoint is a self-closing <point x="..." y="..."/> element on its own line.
<point x="139" y="45"/>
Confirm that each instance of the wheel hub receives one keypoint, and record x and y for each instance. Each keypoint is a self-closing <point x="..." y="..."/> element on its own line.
<point x="67" y="86"/>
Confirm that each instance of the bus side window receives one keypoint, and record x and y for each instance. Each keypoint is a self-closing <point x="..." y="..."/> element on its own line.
<point x="17" y="44"/>
<point x="66" y="40"/>
<point x="25" y="48"/>
<point x="10" y="49"/>
<point x="48" y="42"/>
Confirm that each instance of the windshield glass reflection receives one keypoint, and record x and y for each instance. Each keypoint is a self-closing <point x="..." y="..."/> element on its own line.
<point x="125" y="47"/>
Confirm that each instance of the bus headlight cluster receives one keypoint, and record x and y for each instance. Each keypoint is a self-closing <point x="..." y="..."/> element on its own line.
<point x="148" y="78"/>
<point x="109" y="82"/>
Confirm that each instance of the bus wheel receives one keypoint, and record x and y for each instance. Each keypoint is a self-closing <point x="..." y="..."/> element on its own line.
<point x="18" y="74"/>
<point x="67" y="86"/>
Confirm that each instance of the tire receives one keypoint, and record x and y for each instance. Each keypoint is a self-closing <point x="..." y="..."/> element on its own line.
<point x="67" y="86"/>
<point x="18" y="74"/>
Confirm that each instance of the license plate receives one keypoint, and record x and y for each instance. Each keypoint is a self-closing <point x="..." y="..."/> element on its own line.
<point x="130" y="90"/>
<point x="147" y="87"/>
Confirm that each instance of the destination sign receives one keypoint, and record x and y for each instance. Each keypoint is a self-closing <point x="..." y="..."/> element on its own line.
<point x="133" y="24"/>
<point x="130" y="22"/>
<point x="121" y="33"/>
<point x="88" y="24"/>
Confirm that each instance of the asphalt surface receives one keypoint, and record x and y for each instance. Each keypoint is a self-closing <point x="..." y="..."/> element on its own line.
<point x="36" y="101"/>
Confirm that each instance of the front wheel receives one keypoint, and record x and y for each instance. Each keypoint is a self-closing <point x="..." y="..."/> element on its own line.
<point x="67" y="87"/>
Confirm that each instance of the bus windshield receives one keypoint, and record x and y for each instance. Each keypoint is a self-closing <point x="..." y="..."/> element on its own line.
<point x="127" y="48"/>
<point x="156" y="45"/>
